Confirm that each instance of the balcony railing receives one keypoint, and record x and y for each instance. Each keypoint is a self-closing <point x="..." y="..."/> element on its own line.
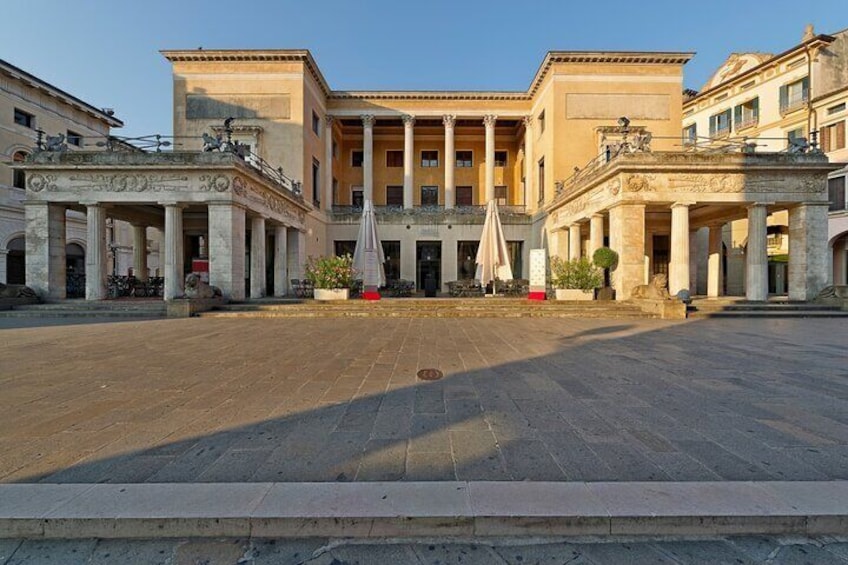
<point x="746" y="122"/>
<point x="473" y="210"/>
<point x="795" y="102"/>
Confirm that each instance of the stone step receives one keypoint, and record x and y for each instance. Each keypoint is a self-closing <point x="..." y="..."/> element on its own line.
<point x="770" y="314"/>
<point x="94" y="305"/>
<point x="428" y="313"/>
<point x="80" y="314"/>
<point x="453" y="509"/>
<point x="753" y="307"/>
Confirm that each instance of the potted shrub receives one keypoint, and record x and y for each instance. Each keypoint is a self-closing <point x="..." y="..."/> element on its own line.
<point x="606" y="259"/>
<point x="575" y="279"/>
<point x="331" y="276"/>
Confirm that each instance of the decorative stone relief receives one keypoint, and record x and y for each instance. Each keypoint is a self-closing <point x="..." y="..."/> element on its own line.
<point x="239" y="186"/>
<point x="129" y="182"/>
<point x="640" y="183"/>
<point x="737" y="183"/>
<point x="614" y="186"/>
<point x="38" y="182"/>
<point x="217" y="183"/>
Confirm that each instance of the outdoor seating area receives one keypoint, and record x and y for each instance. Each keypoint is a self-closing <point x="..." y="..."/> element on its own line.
<point x="122" y="286"/>
<point x="465" y="288"/>
<point x="471" y="288"/>
<point x="400" y="288"/>
<point x="302" y="288"/>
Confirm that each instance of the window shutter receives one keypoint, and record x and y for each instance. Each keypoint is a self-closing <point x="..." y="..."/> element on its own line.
<point x="840" y="136"/>
<point x="713" y="120"/>
<point x="755" y="106"/>
<point x="824" y="138"/>
<point x="805" y="88"/>
<point x="784" y="96"/>
<point x="737" y="115"/>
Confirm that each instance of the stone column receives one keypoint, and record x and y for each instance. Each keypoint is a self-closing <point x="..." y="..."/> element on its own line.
<point x="808" y="251"/>
<point x="296" y="247"/>
<point x="328" y="159"/>
<point x="489" y="122"/>
<point x="528" y="157"/>
<point x="408" y="160"/>
<point x="678" y="271"/>
<point x="95" y="252"/>
<point x="281" y="266"/>
<point x="714" y="263"/>
<point x="450" y="162"/>
<point x="226" y="249"/>
<point x="45" y="249"/>
<point x="596" y="233"/>
<point x="756" y="284"/>
<point x="174" y="257"/>
<point x="574" y="241"/>
<point x="627" y="238"/>
<point x="257" y="257"/>
<point x="368" y="156"/>
<point x="140" y="252"/>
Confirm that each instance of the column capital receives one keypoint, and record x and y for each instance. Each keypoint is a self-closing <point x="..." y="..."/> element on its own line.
<point x="408" y="120"/>
<point x="682" y="204"/>
<point x="489" y="120"/>
<point x="757" y="205"/>
<point x="328" y="121"/>
<point x="367" y="120"/>
<point x="90" y="203"/>
<point x="449" y="120"/>
<point x="175" y="204"/>
<point x="528" y="121"/>
<point x="598" y="215"/>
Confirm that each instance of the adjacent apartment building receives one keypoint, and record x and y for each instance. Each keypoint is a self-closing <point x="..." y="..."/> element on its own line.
<point x="784" y="102"/>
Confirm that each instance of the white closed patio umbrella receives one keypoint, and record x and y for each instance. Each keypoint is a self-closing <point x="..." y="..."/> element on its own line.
<point x="368" y="255"/>
<point x="493" y="254"/>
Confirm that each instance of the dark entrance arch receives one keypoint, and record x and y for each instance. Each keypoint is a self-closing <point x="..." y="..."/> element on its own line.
<point x="16" y="261"/>
<point x="74" y="270"/>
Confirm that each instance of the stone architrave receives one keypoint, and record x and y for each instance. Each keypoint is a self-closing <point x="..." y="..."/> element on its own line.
<point x="809" y="269"/>
<point x="226" y="249"/>
<point x="45" y="249"/>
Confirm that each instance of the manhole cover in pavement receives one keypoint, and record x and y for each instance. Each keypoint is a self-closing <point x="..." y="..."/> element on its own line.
<point x="430" y="374"/>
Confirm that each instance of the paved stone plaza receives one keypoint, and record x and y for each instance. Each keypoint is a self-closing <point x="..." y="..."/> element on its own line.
<point x="338" y="400"/>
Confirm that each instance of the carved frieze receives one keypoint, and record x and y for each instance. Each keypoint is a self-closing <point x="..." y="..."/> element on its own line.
<point x="127" y="182"/>
<point x="614" y="186"/>
<point x="739" y="183"/>
<point x="640" y="183"/>
<point x="37" y="182"/>
<point x="214" y="183"/>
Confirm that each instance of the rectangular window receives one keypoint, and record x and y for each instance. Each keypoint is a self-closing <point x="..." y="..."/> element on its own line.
<point x="514" y="248"/>
<point x="335" y="191"/>
<point x="344" y="247"/>
<point x="356" y="157"/>
<point x="316" y="183"/>
<point x="500" y="158"/>
<point x="720" y="123"/>
<point x="357" y="196"/>
<point x="690" y="135"/>
<point x="430" y="158"/>
<point x="391" y="251"/>
<point x="429" y="195"/>
<point x="394" y="195"/>
<point x="466" y="257"/>
<point x="394" y="158"/>
<point x="502" y="195"/>
<point x="464" y="159"/>
<point x="836" y="193"/>
<point x="464" y="196"/>
<point x="836" y="109"/>
<point x="74" y="138"/>
<point x="747" y="114"/>
<point x="316" y="124"/>
<point x="541" y="120"/>
<point x="24" y="119"/>
<point x="542" y="180"/>
<point x="794" y="95"/>
<point x="832" y="137"/>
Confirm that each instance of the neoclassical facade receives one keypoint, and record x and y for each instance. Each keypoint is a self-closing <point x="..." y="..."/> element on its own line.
<point x="588" y="155"/>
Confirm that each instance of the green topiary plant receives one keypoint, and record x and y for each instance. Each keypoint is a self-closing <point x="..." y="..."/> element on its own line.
<point x="577" y="273"/>
<point x="605" y="258"/>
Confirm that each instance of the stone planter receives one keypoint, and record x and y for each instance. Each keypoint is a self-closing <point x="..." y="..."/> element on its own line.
<point x="574" y="294"/>
<point x="331" y="293"/>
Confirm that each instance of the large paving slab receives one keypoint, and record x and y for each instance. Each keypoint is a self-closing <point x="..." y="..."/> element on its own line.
<point x="276" y="400"/>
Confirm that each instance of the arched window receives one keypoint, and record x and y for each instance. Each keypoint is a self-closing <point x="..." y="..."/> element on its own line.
<point x="19" y="177"/>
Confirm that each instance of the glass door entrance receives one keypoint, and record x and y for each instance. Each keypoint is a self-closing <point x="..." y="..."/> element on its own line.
<point x="428" y="263"/>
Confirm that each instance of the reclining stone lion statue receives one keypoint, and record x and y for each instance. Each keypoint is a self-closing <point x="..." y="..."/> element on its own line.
<point x="196" y="288"/>
<point x="655" y="290"/>
<point x="833" y="293"/>
<point x="17" y="291"/>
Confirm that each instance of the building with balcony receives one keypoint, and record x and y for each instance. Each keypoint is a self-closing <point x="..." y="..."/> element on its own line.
<point x="781" y="103"/>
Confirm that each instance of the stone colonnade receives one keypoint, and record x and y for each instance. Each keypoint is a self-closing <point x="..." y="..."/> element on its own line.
<point x="45" y="250"/>
<point x="808" y="261"/>
<point x="449" y="122"/>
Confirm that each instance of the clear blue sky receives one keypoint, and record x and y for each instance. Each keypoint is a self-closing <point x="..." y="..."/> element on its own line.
<point x="107" y="51"/>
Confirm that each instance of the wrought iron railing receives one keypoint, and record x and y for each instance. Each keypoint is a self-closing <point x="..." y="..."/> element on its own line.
<point x="471" y="210"/>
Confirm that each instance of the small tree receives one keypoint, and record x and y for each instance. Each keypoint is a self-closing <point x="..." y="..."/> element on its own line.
<point x="576" y="273"/>
<point x="606" y="259"/>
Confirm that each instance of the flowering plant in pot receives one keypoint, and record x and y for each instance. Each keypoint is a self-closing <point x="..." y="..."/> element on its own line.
<point x="331" y="276"/>
<point x="576" y="279"/>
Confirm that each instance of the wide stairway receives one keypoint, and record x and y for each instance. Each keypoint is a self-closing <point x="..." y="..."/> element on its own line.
<point x="78" y="308"/>
<point x="426" y="308"/>
<point x="775" y="307"/>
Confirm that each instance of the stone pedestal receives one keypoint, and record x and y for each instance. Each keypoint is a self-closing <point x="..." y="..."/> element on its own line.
<point x="627" y="238"/>
<point x="257" y="258"/>
<point x="45" y="249"/>
<point x="808" y="251"/>
<point x="140" y="252"/>
<point x="281" y="267"/>
<point x="756" y="283"/>
<point x="95" y="253"/>
<point x="226" y="249"/>
<point x="679" y="268"/>
<point x="714" y="263"/>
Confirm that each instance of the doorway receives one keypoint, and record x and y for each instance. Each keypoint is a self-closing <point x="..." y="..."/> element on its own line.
<point x="428" y="263"/>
